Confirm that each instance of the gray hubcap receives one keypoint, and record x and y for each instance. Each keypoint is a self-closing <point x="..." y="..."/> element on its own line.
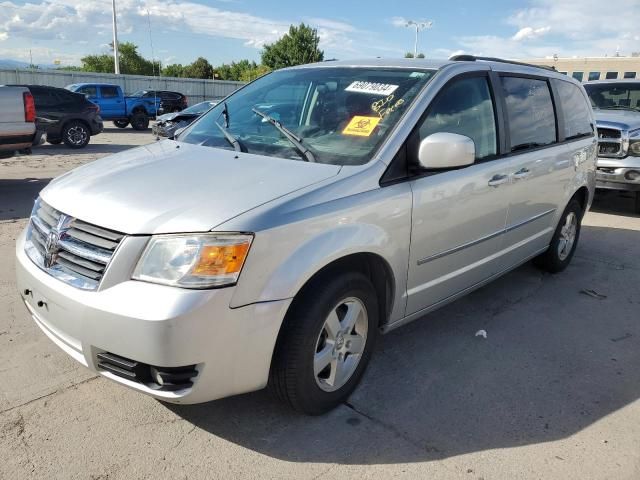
<point x="567" y="236"/>
<point x="77" y="135"/>
<point x="340" y="344"/>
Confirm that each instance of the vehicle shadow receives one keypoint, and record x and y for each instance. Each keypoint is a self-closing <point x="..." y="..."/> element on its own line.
<point x="17" y="196"/>
<point x="555" y="360"/>
<point x="91" y="149"/>
<point x="614" y="203"/>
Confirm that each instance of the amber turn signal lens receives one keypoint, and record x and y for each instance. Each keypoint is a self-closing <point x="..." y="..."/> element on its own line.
<point x="221" y="259"/>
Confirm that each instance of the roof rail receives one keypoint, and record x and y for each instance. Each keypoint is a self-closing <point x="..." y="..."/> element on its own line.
<point x="473" y="58"/>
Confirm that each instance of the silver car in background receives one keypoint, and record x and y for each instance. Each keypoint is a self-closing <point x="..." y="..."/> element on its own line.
<point x="273" y="240"/>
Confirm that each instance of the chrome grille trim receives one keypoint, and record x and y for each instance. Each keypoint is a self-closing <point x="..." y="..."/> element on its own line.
<point x="71" y="250"/>
<point x="612" y="142"/>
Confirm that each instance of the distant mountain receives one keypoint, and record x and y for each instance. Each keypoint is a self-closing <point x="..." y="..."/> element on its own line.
<point x="8" y="63"/>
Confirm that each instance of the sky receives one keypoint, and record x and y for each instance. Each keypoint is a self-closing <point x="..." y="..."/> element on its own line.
<point x="175" y="31"/>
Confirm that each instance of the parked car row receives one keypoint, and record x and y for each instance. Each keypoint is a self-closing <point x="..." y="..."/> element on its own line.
<point x="17" y="120"/>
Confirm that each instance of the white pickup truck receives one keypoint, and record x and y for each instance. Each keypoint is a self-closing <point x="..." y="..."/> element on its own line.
<point x="17" y="120"/>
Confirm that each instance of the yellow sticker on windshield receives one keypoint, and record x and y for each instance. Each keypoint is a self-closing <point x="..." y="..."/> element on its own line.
<point x="361" y="126"/>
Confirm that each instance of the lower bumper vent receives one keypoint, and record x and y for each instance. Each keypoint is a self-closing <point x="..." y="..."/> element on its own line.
<point x="158" y="378"/>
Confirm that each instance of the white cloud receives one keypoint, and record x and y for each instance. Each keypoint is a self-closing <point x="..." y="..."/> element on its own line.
<point x="529" y="33"/>
<point x="3" y="36"/>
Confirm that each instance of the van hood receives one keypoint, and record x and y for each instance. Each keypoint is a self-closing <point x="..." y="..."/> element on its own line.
<point x="171" y="187"/>
<point x="622" y="119"/>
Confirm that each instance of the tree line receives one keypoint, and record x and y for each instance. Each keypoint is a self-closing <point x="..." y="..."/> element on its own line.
<point x="298" y="46"/>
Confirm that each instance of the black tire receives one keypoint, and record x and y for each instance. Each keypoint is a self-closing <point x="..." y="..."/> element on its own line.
<point x="637" y="204"/>
<point x="76" y="135"/>
<point x="140" y="121"/>
<point x="54" y="141"/>
<point x="557" y="258"/>
<point x="292" y="377"/>
<point x="121" y="123"/>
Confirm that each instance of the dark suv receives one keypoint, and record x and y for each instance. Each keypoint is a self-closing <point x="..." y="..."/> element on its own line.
<point x="167" y="101"/>
<point x="65" y="116"/>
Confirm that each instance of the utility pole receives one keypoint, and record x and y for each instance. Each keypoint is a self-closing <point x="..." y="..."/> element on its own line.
<point x="418" y="25"/>
<point x="115" y="39"/>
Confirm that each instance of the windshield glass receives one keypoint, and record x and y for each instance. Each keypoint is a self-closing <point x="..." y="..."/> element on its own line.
<point x="139" y="93"/>
<point x="614" y="95"/>
<point x="340" y="115"/>
<point x="199" y="108"/>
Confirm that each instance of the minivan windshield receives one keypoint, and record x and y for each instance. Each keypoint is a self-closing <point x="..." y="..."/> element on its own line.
<point x="335" y="115"/>
<point x="614" y="96"/>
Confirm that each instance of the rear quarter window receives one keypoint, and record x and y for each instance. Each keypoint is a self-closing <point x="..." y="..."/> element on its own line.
<point x="532" y="121"/>
<point x="577" y="117"/>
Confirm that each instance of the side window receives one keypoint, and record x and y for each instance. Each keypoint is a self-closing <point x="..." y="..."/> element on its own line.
<point x="532" y="121"/>
<point x="575" y="111"/>
<point x="612" y="75"/>
<point x="464" y="107"/>
<point x="43" y="98"/>
<point x="91" y="92"/>
<point x="629" y="74"/>
<point x="594" y="76"/>
<point x="579" y="75"/>
<point x="109" y="92"/>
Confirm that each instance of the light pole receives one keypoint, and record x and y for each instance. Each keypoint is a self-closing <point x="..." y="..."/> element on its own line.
<point x="115" y="39"/>
<point x="418" y="25"/>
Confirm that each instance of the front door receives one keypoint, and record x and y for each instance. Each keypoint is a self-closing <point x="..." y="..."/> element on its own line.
<point x="458" y="215"/>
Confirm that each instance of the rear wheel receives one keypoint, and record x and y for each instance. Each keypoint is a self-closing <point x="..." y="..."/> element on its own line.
<point x="637" y="205"/>
<point x="140" y="121"/>
<point x="564" y="240"/>
<point x="121" y="123"/>
<point x="325" y="343"/>
<point x="76" y="135"/>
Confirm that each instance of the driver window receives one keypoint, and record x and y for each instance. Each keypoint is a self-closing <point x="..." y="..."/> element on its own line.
<point x="464" y="107"/>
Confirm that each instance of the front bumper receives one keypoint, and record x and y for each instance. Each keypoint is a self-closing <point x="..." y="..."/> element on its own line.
<point x="159" y="326"/>
<point x="611" y="173"/>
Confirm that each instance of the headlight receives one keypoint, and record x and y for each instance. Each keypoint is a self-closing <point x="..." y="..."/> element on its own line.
<point x="193" y="261"/>
<point x="634" y="148"/>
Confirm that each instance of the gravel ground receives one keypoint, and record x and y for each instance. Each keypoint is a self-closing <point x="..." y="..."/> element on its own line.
<point x="552" y="392"/>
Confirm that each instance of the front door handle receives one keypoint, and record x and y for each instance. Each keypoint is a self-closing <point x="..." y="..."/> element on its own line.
<point x="498" y="180"/>
<point x="522" y="173"/>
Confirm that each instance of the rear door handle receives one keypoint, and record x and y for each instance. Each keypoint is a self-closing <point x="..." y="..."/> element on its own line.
<point x="522" y="173"/>
<point x="498" y="180"/>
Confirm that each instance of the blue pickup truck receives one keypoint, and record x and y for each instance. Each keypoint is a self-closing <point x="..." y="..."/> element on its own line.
<point x="116" y="107"/>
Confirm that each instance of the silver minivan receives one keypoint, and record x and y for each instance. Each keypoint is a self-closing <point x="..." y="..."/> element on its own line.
<point x="273" y="239"/>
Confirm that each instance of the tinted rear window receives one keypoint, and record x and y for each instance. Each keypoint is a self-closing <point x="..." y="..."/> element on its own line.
<point x="532" y="121"/>
<point x="577" y="118"/>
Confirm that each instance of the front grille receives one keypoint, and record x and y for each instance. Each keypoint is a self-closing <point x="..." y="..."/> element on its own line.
<point x="609" y="142"/>
<point x="69" y="249"/>
<point x="168" y="379"/>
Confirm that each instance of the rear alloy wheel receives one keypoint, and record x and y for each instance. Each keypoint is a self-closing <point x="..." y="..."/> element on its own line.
<point x="564" y="240"/>
<point x="325" y="342"/>
<point x="140" y="121"/>
<point x="76" y="135"/>
<point x="121" y="123"/>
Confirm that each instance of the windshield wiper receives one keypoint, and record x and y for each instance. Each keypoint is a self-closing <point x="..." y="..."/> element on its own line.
<point x="295" y="140"/>
<point x="237" y="146"/>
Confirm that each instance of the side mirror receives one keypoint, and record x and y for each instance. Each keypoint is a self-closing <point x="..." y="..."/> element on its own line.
<point x="446" y="150"/>
<point x="177" y="133"/>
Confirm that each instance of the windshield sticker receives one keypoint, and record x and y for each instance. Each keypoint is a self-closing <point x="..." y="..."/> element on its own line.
<point x="361" y="126"/>
<point x="372" y="88"/>
<point x="386" y="106"/>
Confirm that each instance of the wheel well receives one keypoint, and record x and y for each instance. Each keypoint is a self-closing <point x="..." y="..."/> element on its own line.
<point x="582" y="195"/>
<point x="369" y="264"/>
<point x="139" y="110"/>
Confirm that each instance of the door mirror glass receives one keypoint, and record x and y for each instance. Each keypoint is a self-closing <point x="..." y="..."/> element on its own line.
<point x="446" y="150"/>
<point x="177" y="133"/>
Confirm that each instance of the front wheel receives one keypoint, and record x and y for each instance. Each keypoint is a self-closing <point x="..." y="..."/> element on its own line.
<point x="564" y="241"/>
<point x="325" y="343"/>
<point x="76" y="135"/>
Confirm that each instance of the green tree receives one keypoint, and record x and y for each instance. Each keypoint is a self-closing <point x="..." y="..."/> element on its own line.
<point x="130" y="60"/>
<point x="408" y="55"/>
<point x="420" y="55"/>
<point x="173" y="70"/>
<point x="201" y="68"/>
<point x="297" y="47"/>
